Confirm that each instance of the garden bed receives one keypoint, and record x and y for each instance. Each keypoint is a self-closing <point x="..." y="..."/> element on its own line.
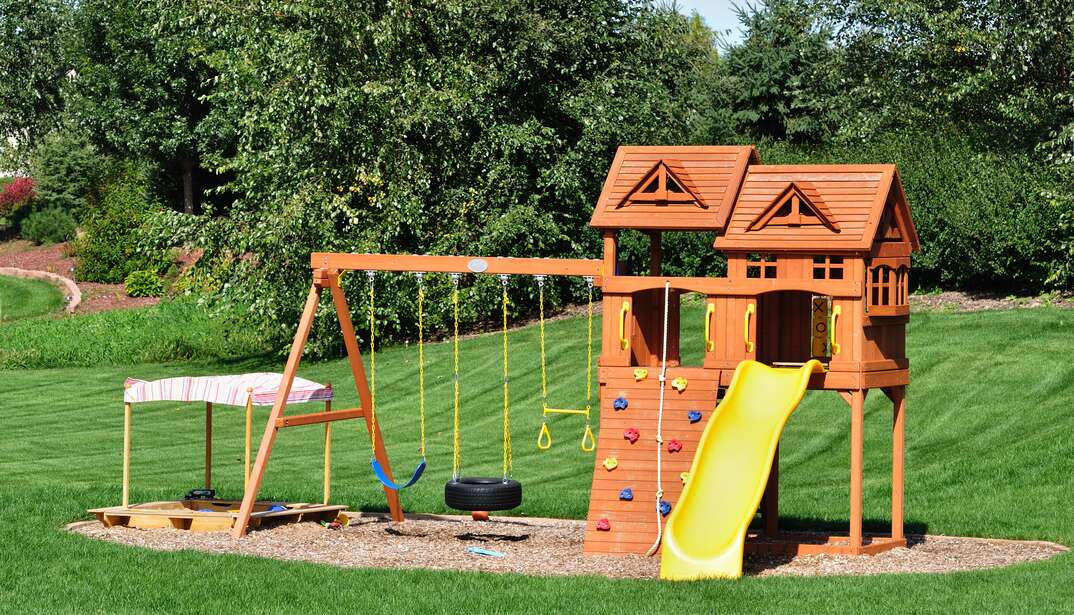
<point x="546" y="547"/>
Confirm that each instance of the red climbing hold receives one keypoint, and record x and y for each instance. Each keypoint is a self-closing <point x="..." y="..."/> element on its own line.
<point x="631" y="434"/>
<point x="674" y="446"/>
<point x="604" y="525"/>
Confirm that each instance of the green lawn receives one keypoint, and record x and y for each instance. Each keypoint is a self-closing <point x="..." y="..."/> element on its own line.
<point x="990" y="453"/>
<point x="22" y="298"/>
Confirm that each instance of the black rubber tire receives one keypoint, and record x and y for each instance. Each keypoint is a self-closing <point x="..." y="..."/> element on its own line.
<point x="481" y="493"/>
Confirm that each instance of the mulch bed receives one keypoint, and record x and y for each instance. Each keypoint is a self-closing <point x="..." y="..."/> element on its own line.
<point x="544" y="547"/>
<point x="95" y="297"/>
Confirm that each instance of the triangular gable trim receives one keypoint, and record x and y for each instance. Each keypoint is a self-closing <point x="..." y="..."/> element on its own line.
<point x="798" y="198"/>
<point x="665" y="183"/>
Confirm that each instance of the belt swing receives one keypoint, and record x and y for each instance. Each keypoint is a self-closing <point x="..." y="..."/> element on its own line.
<point x="382" y="476"/>
<point x="544" y="437"/>
<point x="481" y="493"/>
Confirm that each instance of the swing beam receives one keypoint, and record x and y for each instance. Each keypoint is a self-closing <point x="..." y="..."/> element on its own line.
<point x="327" y="267"/>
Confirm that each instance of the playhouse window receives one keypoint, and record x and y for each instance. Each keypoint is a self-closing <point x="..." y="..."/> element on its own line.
<point x="887" y="287"/>
<point x="827" y="267"/>
<point x="761" y="266"/>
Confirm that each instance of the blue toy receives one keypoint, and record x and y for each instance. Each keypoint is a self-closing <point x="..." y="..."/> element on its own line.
<point x="694" y="416"/>
<point x="665" y="507"/>
<point x="626" y="494"/>
<point x="620" y="403"/>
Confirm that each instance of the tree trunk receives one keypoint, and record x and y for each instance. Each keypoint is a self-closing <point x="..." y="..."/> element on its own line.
<point x="188" y="186"/>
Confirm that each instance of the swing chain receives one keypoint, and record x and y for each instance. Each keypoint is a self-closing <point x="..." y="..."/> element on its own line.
<point x="370" y="275"/>
<point x="508" y="470"/>
<point x="455" y="377"/>
<point x="421" y="358"/>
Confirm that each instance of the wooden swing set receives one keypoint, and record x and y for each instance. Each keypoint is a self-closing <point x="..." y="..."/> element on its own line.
<point x="328" y="268"/>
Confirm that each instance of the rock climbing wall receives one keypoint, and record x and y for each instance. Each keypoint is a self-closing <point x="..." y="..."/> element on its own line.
<point x="622" y="504"/>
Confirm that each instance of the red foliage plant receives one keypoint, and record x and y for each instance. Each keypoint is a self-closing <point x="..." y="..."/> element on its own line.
<point x="16" y="194"/>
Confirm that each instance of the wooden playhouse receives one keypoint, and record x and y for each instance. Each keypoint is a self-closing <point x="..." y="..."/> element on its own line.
<point x="817" y="263"/>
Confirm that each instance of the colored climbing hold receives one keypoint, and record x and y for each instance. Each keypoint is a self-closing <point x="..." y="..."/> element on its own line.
<point x="276" y="508"/>
<point x="640" y="374"/>
<point x="604" y="525"/>
<point x="674" y="446"/>
<point x="683" y="477"/>
<point x="694" y="416"/>
<point x="626" y="494"/>
<point x="679" y="384"/>
<point x="620" y="403"/>
<point x="631" y="434"/>
<point x="610" y="463"/>
<point x="665" y="507"/>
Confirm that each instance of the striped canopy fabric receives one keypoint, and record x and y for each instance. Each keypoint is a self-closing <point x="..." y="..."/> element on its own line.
<point x="229" y="390"/>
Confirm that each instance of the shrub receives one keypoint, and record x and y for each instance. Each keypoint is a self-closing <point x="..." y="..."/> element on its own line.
<point x="143" y="283"/>
<point x="51" y="225"/>
<point x="112" y="245"/>
<point x="16" y="195"/>
<point x="68" y="172"/>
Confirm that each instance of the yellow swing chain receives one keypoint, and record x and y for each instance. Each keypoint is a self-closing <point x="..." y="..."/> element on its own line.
<point x="507" y="457"/>
<point x="372" y="366"/>
<point x="455" y="377"/>
<point x="544" y="438"/>
<point x="421" y="359"/>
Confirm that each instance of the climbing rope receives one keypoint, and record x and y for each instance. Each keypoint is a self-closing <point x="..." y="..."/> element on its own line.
<point x="660" y="427"/>
<point x="455" y="377"/>
<point x="507" y="457"/>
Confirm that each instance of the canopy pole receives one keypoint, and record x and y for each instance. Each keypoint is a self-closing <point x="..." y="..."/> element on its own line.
<point x="208" y="445"/>
<point x="249" y="429"/>
<point x="126" y="453"/>
<point x="327" y="449"/>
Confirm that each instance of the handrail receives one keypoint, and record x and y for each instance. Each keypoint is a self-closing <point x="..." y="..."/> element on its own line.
<point x="835" y="314"/>
<point x="750" y="309"/>
<point x="710" y="344"/>
<point x="624" y="343"/>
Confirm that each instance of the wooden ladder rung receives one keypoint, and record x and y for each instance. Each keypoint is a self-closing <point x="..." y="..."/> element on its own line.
<point x="319" y="417"/>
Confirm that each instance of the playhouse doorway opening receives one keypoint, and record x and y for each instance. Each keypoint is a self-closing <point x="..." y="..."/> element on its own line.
<point x="792" y="327"/>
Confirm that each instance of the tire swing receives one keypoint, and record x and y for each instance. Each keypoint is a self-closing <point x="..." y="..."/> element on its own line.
<point x="481" y="493"/>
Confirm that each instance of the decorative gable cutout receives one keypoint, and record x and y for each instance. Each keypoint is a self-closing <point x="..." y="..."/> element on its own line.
<point x="666" y="183"/>
<point x="799" y="204"/>
<point x="889" y="227"/>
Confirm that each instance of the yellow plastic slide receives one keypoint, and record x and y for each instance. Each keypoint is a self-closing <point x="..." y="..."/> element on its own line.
<point x="707" y="528"/>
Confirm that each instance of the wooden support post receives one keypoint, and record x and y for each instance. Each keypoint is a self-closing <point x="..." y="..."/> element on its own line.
<point x="610" y="254"/>
<point x="208" y="445"/>
<point x="770" y="503"/>
<point x="857" y="428"/>
<point x="898" y="451"/>
<point x="126" y="453"/>
<point x="327" y="452"/>
<point x="249" y="434"/>
<point x="364" y="396"/>
<point x="250" y="496"/>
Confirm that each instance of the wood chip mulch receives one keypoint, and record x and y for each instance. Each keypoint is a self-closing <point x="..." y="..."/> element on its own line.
<point x="546" y="547"/>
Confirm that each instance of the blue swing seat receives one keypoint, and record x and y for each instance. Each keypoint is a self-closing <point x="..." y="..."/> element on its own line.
<point x="389" y="483"/>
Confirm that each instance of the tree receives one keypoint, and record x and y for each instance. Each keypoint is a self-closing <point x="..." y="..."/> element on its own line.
<point x="781" y="82"/>
<point x="139" y="86"/>
<point x="34" y="61"/>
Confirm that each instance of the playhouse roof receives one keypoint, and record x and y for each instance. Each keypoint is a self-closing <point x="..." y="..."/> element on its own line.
<point x="689" y="188"/>
<point x="818" y="208"/>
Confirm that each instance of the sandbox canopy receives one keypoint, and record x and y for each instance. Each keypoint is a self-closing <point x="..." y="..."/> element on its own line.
<point x="258" y="389"/>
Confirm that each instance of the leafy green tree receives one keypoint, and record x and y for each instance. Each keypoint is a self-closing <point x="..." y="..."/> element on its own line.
<point x="139" y="86"/>
<point x="433" y="127"/>
<point x="781" y="81"/>
<point x="34" y="63"/>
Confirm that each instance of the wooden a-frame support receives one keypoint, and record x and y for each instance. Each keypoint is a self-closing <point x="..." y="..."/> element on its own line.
<point x="322" y="278"/>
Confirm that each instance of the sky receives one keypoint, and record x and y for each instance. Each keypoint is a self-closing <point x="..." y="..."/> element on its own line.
<point x="718" y="14"/>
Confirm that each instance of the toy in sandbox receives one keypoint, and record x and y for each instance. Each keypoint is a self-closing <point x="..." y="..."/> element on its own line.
<point x="815" y="298"/>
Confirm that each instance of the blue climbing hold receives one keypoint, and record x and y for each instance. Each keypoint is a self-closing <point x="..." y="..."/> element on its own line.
<point x="694" y="416"/>
<point x="620" y="403"/>
<point x="626" y="494"/>
<point x="665" y="507"/>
